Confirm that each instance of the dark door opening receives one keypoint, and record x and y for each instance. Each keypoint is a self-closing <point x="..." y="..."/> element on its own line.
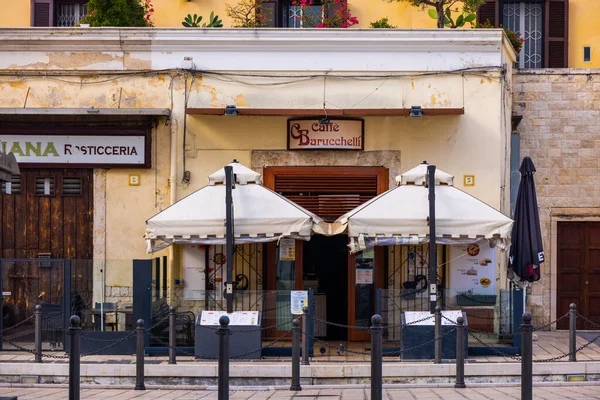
<point x="325" y="268"/>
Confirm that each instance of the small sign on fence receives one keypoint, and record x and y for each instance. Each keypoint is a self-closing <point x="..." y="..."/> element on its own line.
<point x="298" y="300"/>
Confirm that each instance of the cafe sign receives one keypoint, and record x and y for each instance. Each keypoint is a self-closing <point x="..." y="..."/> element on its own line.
<point x="329" y="134"/>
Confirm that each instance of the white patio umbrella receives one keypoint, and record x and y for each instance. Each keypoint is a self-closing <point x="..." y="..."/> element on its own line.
<point x="260" y="215"/>
<point x="400" y="215"/>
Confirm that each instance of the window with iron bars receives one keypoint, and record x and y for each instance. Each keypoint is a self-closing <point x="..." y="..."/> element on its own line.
<point x="69" y="14"/>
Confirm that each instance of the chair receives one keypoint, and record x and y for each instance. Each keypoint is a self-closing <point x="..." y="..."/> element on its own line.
<point x="105" y="308"/>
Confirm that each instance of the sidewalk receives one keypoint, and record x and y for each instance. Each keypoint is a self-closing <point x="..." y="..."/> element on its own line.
<point x="496" y="393"/>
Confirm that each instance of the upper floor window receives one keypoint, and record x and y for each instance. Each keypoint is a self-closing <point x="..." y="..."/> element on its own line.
<point x="286" y="14"/>
<point x="64" y="13"/>
<point x="295" y="16"/>
<point x="543" y="24"/>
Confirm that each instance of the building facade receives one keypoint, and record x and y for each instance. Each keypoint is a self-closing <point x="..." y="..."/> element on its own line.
<point x="119" y="124"/>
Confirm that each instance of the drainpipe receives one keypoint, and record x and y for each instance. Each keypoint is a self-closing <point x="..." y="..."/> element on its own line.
<point x="172" y="200"/>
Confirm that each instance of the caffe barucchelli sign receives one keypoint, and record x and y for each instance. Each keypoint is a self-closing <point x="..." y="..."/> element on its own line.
<point x="77" y="150"/>
<point x="337" y="134"/>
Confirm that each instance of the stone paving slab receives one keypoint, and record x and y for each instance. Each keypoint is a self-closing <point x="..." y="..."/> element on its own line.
<point x="576" y="392"/>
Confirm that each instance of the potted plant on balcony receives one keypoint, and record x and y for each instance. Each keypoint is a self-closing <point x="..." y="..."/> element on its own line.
<point x="120" y="13"/>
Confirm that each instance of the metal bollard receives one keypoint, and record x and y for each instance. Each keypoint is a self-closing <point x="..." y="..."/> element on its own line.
<point x="38" y="333"/>
<point x="572" y="332"/>
<point x="74" y="358"/>
<point x="305" y="339"/>
<point x="223" y="384"/>
<point x="376" y="358"/>
<point x="526" y="358"/>
<point x="139" y="359"/>
<point x="172" y="344"/>
<point x="296" y="355"/>
<point x="438" y="335"/>
<point x="460" y="354"/>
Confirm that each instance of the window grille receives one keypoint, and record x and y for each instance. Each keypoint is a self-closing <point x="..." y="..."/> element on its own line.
<point x="69" y="14"/>
<point x="44" y="186"/>
<point x="71" y="186"/>
<point x="12" y="187"/>
<point x="526" y="18"/>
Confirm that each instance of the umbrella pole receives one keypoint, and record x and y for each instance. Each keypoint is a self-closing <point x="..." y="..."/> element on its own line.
<point x="432" y="242"/>
<point x="229" y="236"/>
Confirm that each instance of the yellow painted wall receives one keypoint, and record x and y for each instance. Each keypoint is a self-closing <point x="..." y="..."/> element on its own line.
<point x="400" y="14"/>
<point x="584" y="31"/>
<point x="15" y="13"/>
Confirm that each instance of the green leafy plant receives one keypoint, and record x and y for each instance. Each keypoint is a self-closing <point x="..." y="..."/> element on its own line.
<point x="461" y="20"/>
<point x="443" y="10"/>
<point x="193" y="21"/>
<point x="382" y="23"/>
<point x="248" y="14"/>
<point x="121" y="13"/>
<point x="515" y="39"/>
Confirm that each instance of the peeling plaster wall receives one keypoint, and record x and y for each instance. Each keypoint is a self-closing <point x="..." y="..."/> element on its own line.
<point x="461" y="144"/>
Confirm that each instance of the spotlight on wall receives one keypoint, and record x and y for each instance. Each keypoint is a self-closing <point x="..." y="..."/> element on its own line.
<point x="416" y="111"/>
<point x="231" y="110"/>
<point x="324" y="121"/>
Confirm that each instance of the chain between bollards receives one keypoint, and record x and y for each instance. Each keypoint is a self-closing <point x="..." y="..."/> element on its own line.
<point x="526" y="358"/>
<point x="376" y="358"/>
<point x="305" y="350"/>
<point x="460" y="354"/>
<point x="572" y="332"/>
<point x="223" y="383"/>
<point x="172" y="344"/>
<point x="438" y="335"/>
<point x="139" y="359"/>
<point x="74" y="358"/>
<point x="38" y="333"/>
<point x="295" y="356"/>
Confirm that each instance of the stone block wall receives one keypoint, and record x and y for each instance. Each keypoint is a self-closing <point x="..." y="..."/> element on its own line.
<point x="560" y="131"/>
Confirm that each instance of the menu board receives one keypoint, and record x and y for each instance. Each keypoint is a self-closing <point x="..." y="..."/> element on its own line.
<point x="411" y="316"/>
<point x="235" y="318"/>
<point x="194" y="272"/>
<point x="473" y="269"/>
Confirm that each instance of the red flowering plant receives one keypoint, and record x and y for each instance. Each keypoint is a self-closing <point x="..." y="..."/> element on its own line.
<point x="333" y="14"/>
<point x="515" y="38"/>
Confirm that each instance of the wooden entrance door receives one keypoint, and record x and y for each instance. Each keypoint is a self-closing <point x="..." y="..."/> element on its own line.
<point x="330" y="192"/>
<point x="578" y="271"/>
<point x="48" y="214"/>
<point x="45" y="213"/>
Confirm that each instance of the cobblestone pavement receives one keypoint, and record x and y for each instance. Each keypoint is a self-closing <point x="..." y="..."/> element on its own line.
<point x="547" y="393"/>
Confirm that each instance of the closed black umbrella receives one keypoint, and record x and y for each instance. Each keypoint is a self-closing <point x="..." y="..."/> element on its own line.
<point x="526" y="252"/>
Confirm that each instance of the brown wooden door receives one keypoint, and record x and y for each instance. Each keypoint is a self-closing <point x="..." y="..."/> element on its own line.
<point x="578" y="271"/>
<point x="48" y="214"/>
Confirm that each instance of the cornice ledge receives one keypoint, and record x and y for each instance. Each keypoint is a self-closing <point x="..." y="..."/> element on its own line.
<point x="167" y="39"/>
